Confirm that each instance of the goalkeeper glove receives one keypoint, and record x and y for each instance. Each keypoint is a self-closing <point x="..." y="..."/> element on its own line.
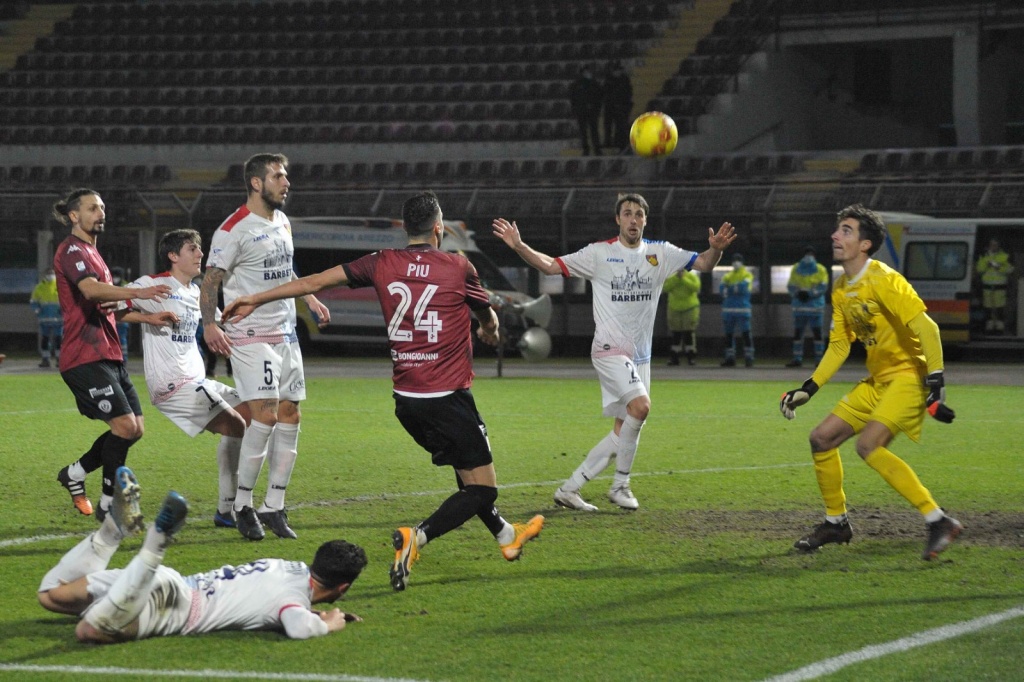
<point x="936" y="400"/>
<point x="797" y="397"/>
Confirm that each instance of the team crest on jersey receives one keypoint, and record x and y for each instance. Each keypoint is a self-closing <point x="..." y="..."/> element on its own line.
<point x="653" y="259"/>
<point x="81" y="266"/>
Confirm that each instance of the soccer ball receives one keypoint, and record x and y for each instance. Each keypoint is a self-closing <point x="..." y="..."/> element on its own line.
<point x="653" y="134"/>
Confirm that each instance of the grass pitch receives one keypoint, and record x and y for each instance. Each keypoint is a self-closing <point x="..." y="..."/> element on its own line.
<point x="700" y="584"/>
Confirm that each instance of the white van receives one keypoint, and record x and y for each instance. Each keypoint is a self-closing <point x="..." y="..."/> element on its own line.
<point x="324" y="242"/>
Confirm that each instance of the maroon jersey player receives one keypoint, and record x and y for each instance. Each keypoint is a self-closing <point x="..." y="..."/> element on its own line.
<point x="91" y="363"/>
<point x="427" y="297"/>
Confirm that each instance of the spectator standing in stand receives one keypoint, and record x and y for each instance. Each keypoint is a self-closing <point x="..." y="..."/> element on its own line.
<point x="586" y="98"/>
<point x="618" y="105"/>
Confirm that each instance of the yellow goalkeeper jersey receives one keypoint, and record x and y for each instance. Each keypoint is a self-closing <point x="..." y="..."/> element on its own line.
<point x="874" y="307"/>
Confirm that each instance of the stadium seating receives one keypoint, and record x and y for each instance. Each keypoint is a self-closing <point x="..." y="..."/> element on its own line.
<point x="180" y="68"/>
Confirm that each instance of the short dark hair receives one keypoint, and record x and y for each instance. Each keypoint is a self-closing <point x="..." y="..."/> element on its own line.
<point x="633" y="198"/>
<point x="172" y="243"/>
<point x="419" y="213"/>
<point x="337" y="562"/>
<point x="62" y="208"/>
<point x="870" y="225"/>
<point x="257" y="165"/>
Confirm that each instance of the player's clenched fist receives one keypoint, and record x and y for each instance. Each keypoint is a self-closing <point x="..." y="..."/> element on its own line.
<point x="795" y="398"/>
<point x="936" y="400"/>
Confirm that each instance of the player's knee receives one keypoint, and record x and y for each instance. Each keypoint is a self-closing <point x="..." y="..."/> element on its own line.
<point x="865" y="447"/>
<point x="47" y="602"/>
<point x="236" y="425"/>
<point x="819" y="440"/>
<point x="485" y="494"/>
<point x="639" y="408"/>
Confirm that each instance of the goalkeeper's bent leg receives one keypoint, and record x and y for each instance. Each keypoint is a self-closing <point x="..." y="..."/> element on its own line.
<point x="902" y="478"/>
<point x="828" y="468"/>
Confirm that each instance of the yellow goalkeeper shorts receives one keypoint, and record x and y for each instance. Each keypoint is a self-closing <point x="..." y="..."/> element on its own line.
<point x="899" y="404"/>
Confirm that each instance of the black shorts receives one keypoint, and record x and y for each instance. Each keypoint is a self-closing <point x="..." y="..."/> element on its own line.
<point x="103" y="390"/>
<point x="449" y="428"/>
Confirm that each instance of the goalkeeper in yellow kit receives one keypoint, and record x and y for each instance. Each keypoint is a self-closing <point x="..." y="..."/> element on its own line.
<point x="876" y="305"/>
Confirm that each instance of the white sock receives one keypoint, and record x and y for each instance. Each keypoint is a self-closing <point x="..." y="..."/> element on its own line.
<point x="250" y="461"/>
<point x="596" y="461"/>
<point x="228" y="450"/>
<point x="934" y="515"/>
<point x="76" y="472"/>
<point x="284" y="450"/>
<point x="507" y="534"/>
<point x="88" y="556"/>
<point x="629" y="438"/>
<point x="129" y="594"/>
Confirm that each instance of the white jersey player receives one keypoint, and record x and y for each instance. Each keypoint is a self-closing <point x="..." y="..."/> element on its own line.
<point x="251" y="252"/>
<point x="626" y="274"/>
<point x="174" y="368"/>
<point x="148" y="599"/>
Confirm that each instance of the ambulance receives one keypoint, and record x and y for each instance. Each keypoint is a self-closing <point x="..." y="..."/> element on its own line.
<point x="937" y="256"/>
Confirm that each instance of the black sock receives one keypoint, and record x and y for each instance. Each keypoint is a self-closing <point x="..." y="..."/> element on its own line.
<point x="115" y="453"/>
<point x="487" y="512"/>
<point x="93" y="459"/>
<point x="456" y="510"/>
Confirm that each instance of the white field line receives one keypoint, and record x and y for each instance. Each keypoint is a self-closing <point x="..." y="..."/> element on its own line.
<point x="831" y="665"/>
<point x="13" y="542"/>
<point x="201" y="674"/>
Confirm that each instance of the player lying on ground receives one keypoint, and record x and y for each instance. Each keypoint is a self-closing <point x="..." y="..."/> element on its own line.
<point x="148" y="599"/>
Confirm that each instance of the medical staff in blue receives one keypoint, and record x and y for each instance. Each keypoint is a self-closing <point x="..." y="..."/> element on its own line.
<point x="735" y="289"/>
<point x="808" y="282"/>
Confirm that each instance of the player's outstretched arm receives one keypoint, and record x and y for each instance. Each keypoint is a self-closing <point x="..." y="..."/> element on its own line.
<point x="163" y="318"/>
<point x="508" y="232"/>
<point x="243" y="306"/>
<point x="101" y="292"/>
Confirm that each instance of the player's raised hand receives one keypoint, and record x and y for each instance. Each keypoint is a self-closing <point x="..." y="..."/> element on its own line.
<point x="936" y="400"/>
<point x="507" y="232"/>
<point x="797" y="397"/>
<point x="720" y="240"/>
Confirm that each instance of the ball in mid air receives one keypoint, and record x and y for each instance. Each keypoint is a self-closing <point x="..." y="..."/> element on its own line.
<point x="653" y="134"/>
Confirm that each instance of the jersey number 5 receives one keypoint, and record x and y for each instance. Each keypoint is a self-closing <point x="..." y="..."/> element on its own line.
<point x="422" y="319"/>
